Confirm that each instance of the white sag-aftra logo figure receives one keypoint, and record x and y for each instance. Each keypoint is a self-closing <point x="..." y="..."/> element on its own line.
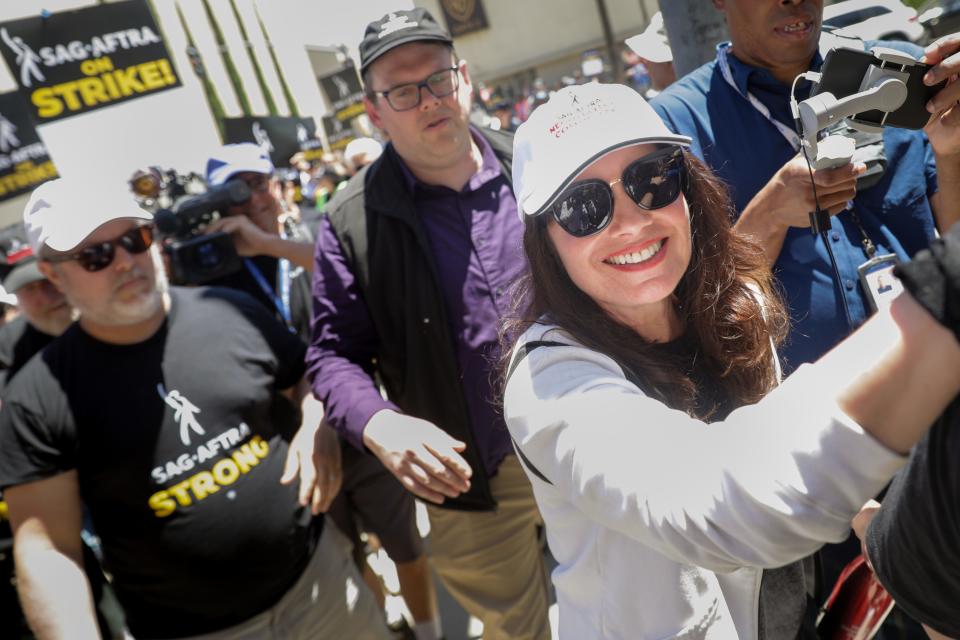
<point x="342" y="87"/>
<point x="26" y="58"/>
<point x="184" y="412"/>
<point x="262" y="137"/>
<point x="8" y="135"/>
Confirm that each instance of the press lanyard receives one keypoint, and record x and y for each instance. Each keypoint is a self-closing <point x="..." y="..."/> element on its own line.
<point x="281" y="302"/>
<point x="761" y="108"/>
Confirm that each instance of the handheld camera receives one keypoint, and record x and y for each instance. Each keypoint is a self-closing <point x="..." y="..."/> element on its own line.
<point x="196" y="258"/>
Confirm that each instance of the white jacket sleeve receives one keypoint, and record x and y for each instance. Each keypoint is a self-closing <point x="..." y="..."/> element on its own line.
<point x="765" y="487"/>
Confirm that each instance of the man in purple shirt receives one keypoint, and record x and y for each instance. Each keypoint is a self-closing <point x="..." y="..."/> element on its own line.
<point x="414" y="263"/>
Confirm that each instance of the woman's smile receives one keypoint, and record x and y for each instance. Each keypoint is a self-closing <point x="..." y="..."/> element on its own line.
<point x="648" y="255"/>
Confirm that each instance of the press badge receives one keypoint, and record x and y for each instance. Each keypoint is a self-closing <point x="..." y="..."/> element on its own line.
<point x="878" y="281"/>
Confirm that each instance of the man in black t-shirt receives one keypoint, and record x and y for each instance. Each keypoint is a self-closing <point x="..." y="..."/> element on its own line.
<point x="169" y="415"/>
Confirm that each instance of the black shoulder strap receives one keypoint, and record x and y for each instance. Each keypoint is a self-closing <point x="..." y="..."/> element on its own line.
<point x="528" y="464"/>
<point x="522" y="352"/>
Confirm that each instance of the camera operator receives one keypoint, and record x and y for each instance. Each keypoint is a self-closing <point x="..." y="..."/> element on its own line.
<point x="278" y="257"/>
<point x="274" y="272"/>
<point x="256" y="224"/>
<point x="187" y="473"/>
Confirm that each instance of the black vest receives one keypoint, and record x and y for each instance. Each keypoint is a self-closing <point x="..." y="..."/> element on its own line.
<point x="389" y="253"/>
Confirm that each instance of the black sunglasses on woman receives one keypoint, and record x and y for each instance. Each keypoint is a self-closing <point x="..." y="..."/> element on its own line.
<point x="652" y="182"/>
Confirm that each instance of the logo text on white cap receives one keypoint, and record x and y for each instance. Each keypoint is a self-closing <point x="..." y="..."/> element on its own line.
<point x="578" y="114"/>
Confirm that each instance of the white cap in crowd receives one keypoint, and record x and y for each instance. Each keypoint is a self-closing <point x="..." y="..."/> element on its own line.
<point x="367" y="147"/>
<point x="652" y="44"/>
<point x="575" y="127"/>
<point x="231" y="159"/>
<point x="63" y="212"/>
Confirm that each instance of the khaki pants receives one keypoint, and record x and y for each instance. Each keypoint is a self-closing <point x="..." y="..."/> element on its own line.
<point x="330" y="600"/>
<point x="491" y="562"/>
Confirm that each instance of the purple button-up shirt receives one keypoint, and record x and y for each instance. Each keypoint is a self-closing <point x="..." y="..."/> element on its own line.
<point x="476" y="237"/>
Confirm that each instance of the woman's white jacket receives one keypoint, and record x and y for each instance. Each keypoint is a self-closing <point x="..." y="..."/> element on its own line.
<point x="662" y="524"/>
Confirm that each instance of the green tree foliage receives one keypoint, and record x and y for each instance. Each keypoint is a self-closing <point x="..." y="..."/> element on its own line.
<point x="228" y="61"/>
<point x="264" y="89"/>
<point x="291" y="103"/>
<point x="213" y="100"/>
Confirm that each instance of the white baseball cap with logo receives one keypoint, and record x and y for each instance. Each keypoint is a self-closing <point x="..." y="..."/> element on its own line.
<point x="575" y="127"/>
<point x="62" y="213"/>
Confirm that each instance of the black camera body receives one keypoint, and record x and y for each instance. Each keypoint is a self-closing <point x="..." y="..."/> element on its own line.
<point x="195" y="257"/>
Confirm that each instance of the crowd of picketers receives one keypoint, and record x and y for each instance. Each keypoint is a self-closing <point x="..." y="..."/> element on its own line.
<point x="598" y="343"/>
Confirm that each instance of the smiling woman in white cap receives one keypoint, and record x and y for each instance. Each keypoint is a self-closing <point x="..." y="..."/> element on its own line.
<point x="641" y="394"/>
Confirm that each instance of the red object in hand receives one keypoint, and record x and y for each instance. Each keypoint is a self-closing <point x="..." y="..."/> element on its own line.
<point x="857" y="606"/>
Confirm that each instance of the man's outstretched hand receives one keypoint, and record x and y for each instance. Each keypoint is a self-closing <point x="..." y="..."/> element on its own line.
<point x="423" y="457"/>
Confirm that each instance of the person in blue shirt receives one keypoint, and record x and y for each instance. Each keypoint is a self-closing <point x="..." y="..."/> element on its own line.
<point x="736" y="110"/>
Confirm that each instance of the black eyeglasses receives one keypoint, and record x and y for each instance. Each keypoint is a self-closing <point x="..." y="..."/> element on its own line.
<point x="441" y="83"/>
<point x="652" y="182"/>
<point x="99" y="256"/>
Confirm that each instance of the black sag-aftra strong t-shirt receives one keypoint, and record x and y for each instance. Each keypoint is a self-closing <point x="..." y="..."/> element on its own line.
<point x="179" y="443"/>
<point x="914" y="540"/>
<point x="19" y="341"/>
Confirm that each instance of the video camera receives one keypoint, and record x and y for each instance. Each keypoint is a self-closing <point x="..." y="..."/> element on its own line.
<point x="195" y="257"/>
